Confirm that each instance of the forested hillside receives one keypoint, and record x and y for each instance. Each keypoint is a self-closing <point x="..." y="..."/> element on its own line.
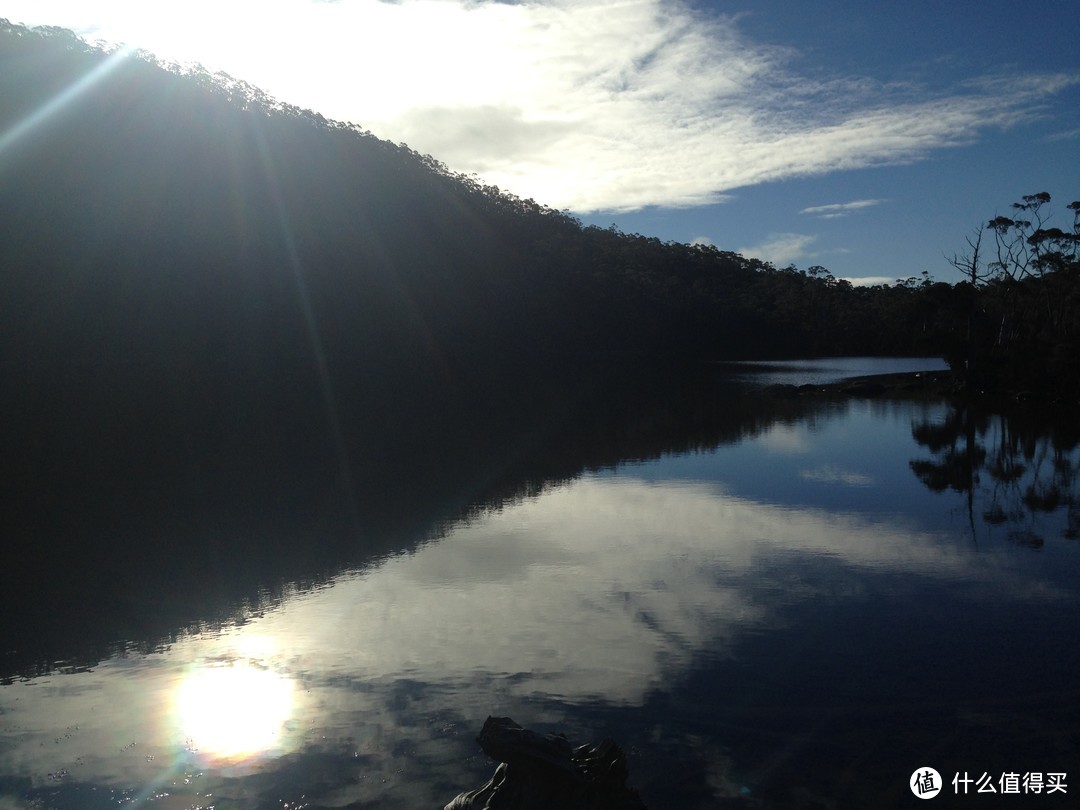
<point x="188" y="218"/>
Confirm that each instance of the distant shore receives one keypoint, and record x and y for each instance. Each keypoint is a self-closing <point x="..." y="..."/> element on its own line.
<point x="905" y="385"/>
<point x="918" y="385"/>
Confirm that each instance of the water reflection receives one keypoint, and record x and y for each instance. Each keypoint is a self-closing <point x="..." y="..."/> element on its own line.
<point x="789" y="615"/>
<point x="825" y="370"/>
<point x="233" y="710"/>
<point x="606" y="591"/>
<point x="112" y="548"/>
<point x="1019" y="473"/>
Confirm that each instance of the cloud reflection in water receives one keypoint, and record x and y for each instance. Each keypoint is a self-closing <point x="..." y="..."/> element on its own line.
<point x="601" y="592"/>
<point x="600" y="589"/>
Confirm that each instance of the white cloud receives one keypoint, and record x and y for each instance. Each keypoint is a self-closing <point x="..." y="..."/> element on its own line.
<point x="869" y="281"/>
<point x="586" y="104"/>
<point x="780" y="248"/>
<point x="837" y="210"/>
<point x="1067" y="135"/>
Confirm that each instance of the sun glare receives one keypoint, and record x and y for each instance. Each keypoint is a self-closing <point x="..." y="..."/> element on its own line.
<point x="235" y="710"/>
<point x="31" y="122"/>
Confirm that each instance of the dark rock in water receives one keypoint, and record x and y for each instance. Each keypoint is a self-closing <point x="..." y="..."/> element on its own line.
<point x="781" y="389"/>
<point x="539" y="772"/>
<point x="863" y="388"/>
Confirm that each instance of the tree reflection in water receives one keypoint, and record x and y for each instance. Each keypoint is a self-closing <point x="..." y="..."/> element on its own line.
<point x="1019" y="470"/>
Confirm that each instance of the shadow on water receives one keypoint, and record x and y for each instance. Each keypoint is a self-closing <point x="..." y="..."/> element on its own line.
<point x="143" y="506"/>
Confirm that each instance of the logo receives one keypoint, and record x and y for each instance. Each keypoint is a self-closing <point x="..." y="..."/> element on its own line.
<point x="925" y="783"/>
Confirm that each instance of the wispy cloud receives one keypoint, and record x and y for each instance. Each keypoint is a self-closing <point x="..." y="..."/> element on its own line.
<point x="830" y="474"/>
<point x="1069" y="135"/>
<point x="838" y="210"/>
<point x="780" y="248"/>
<point x="593" y="105"/>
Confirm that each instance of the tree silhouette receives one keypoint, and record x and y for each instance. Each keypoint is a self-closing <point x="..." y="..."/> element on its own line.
<point x="1023" y="323"/>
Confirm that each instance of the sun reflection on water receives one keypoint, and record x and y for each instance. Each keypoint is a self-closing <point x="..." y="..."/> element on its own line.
<point x="234" y="710"/>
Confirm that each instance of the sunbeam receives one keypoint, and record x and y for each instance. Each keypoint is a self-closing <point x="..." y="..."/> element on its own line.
<point x="42" y="114"/>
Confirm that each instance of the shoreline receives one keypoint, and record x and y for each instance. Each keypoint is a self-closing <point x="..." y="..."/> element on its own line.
<point x="921" y="385"/>
<point x="900" y="385"/>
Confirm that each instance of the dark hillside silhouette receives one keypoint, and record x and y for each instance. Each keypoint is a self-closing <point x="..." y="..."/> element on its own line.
<point x="192" y="211"/>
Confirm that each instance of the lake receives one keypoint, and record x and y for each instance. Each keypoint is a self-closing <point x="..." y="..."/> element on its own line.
<point x="767" y="601"/>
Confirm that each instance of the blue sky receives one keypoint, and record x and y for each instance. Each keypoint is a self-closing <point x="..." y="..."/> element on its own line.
<point x="868" y="138"/>
<point x="929" y="202"/>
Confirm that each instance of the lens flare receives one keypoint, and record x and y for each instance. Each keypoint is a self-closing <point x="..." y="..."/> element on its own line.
<point x="234" y="710"/>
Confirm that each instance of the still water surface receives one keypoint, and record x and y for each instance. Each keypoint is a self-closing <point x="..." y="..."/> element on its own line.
<point x="801" y="617"/>
<point x="825" y="370"/>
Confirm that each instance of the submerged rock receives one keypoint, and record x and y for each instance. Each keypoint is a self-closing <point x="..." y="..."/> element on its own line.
<point x="538" y="772"/>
